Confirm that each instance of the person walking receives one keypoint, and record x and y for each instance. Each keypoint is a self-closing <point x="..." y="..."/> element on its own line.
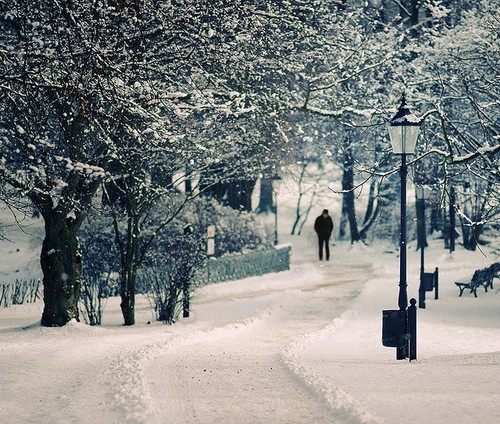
<point x="323" y="225"/>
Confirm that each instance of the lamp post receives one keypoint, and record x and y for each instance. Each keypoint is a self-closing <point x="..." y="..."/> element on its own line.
<point x="403" y="131"/>
<point x="420" y="192"/>
<point x="276" y="184"/>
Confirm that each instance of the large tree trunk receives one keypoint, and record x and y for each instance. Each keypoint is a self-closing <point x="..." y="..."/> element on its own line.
<point x="127" y="293"/>
<point x="240" y="194"/>
<point x="130" y="262"/>
<point x="61" y="259"/>
<point x="266" y="196"/>
<point x="61" y="264"/>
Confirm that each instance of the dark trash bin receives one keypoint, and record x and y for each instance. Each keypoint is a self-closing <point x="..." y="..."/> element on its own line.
<point x="393" y="328"/>
<point x="428" y="281"/>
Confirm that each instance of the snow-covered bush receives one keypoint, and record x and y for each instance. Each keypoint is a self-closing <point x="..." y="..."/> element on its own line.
<point x="20" y="292"/>
<point x="179" y="252"/>
<point x="167" y="273"/>
<point x="235" y="231"/>
<point x="100" y="270"/>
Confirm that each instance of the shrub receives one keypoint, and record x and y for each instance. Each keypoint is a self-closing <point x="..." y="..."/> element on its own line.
<point x="99" y="278"/>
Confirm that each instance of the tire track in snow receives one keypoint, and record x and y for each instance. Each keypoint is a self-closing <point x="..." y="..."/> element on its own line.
<point x="209" y="376"/>
<point x="126" y="373"/>
<point x="345" y="407"/>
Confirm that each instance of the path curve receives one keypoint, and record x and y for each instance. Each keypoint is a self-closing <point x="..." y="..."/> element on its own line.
<point x="208" y="375"/>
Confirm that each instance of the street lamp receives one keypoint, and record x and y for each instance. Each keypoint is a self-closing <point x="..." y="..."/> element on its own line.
<point x="276" y="185"/>
<point x="403" y="131"/>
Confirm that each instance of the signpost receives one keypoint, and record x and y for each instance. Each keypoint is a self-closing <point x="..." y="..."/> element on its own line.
<point x="210" y="240"/>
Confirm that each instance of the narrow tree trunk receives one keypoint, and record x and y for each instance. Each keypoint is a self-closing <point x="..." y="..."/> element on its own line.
<point x="421" y="232"/>
<point x="298" y="212"/>
<point x="307" y="212"/>
<point x="471" y="233"/>
<point x="372" y="210"/>
<point x="343" y="221"/>
<point x="348" y="206"/>
<point x="61" y="265"/>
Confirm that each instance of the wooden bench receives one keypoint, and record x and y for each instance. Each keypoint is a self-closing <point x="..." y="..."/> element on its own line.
<point x="482" y="277"/>
<point x="495" y="269"/>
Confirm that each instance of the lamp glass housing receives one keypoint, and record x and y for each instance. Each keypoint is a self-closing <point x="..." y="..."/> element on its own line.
<point x="403" y="130"/>
<point x="404" y="138"/>
<point x="276" y="181"/>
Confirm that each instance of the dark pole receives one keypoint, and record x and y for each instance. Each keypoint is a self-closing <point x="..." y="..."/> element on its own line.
<point x="276" y="182"/>
<point x="403" y="296"/>
<point x="402" y="352"/>
<point x="452" y="219"/>
<point x="185" y="298"/>
<point x="275" y="218"/>
<point x="421" y="289"/>
<point x="421" y="243"/>
<point x="436" y="284"/>
<point x="412" y="329"/>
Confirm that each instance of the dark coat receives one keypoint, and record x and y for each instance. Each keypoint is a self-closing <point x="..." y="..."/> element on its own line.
<point x="323" y="226"/>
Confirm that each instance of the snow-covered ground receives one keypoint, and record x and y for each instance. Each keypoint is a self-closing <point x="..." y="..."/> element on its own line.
<point x="302" y="346"/>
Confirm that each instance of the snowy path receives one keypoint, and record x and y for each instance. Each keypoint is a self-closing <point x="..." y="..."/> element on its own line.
<point x="203" y="376"/>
